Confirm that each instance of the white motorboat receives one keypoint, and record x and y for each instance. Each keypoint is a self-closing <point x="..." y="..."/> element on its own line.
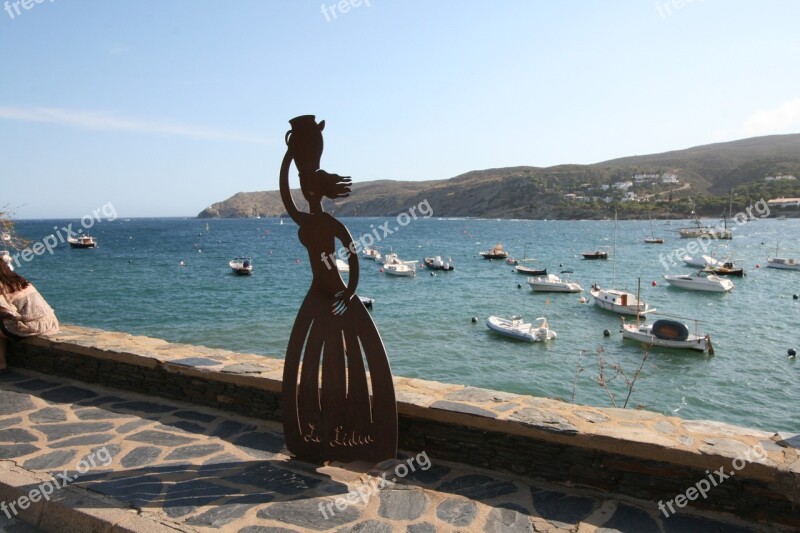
<point x="370" y="253"/>
<point x="552" y="283"/>
<point x="385" y="259"/>
<point x="625" y="303"/>
<point x="702" y="281"/>
<point x="784" y="263"/>
<point x="400" y="269"/>
<point x="517" y="328"/>
<point x="84" y="241"/>
<point x="342" y="266"/>
<point x="437" y="263"/>
<point x="241" y="265"/>
<point x="667" y="334"/>
<point x="702" y="261"/>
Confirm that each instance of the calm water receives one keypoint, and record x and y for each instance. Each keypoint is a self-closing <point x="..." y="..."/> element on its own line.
<point x="133" y="282"/>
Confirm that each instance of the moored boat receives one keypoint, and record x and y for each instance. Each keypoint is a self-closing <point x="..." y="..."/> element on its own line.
<point x="552" y="283"/>
<point x="400" y="269"/>
<point x="517" y="328"/>
<point x="667" y="334"/>
<point x="622" y="302"/>
<point x="600" y="253"/>
<point x="728" y="268"/>
<point x="495" y="253"/>
<point x="84" y="241"/>
<point x="370" y="253"/>
<point x="242" y="266"/>
<point x="437" y="263"/>
<point x="701" y="281"/>
<point x="530" y="271"/>
<point x="702" y="261"/>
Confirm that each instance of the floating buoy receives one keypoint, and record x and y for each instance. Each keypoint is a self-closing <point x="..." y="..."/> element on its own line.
<point x="654" y="283"/>
<point x="297" y="261"/>
<point x="474" y="320"/>
<point x="582" y="299"/>
<point x="182" y="264"/>
<point x="795" y="297"/>
<point x="606" y="333"/>
<point x="433" y="274"/>
<point x="758" y="266"/>
<point x="791" y="352"/>
<point x="381" y="270"/>
<point x="519" y="285"/>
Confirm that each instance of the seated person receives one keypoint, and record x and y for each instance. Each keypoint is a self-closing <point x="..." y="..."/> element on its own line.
<point x="23" y="311"/>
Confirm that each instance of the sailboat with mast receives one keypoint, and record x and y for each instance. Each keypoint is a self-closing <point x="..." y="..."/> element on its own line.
<point x="622" y="302"/>
<point x="528" y="269"/>
<point x="706" y="231"/>
<point x="652" y="239"/>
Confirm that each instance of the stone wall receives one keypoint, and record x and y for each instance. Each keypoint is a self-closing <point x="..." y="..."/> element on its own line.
<point x="636" y="453"/>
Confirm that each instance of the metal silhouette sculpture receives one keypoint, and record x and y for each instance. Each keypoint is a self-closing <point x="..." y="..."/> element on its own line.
<point x="339" y="413"/>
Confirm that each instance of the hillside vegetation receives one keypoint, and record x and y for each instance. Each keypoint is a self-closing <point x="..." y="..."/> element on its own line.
<point x="706" y="173"/>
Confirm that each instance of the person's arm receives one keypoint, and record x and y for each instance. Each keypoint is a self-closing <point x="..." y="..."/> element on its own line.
<point x="7" y="310"/>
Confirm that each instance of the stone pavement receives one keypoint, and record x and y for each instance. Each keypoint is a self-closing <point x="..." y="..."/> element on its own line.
<point x="142" y="464"/>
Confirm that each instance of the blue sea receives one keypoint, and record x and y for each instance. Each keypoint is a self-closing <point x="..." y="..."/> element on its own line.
<point x="169" y="278"/>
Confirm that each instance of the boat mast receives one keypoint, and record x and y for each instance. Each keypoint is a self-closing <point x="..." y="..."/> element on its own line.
<point x="614" y="258"/>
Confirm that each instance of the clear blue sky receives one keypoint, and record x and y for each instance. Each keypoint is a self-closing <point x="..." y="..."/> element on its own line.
<point x="163" y="108"/>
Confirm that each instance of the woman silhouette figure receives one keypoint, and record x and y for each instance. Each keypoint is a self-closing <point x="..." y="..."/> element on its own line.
<point x="340" y="414"/>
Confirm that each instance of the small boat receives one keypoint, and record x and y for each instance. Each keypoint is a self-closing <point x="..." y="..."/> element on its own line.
<point x="727" y="269"/>
<point x="783" y="263"/>
<point x="600" y="253"/>
<point x="652" y="239"/>
<point x="552" y="283"/>
<point x="367" y="301"/>
<point x="437" y="263"/>
<point x="391" y="257"/>
<point x="84" y="241"/>
<point x="516" y="328"/>
<point x="704" y="231"/>
<point x="530" y="271"/>
<point x="370" y="253"/>
<point x="667" y="334"/>
<point x="702" y="281"/>
<point x="625" y="303"/>
<point x="702" y="261"/>
<point x="495" y="253"/>
<point x="241" y="265"/>
<point x="342" y="266"/>
<point x="400" y="269"/>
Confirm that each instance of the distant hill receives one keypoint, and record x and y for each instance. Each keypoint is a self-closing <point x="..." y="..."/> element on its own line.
<point x="706" y="173"/>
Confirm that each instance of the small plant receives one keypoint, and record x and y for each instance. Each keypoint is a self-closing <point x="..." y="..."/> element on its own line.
<point x="610" y="370"/>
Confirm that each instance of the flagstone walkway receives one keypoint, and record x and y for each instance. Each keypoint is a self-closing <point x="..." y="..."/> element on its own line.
<point x="131" y="463"/>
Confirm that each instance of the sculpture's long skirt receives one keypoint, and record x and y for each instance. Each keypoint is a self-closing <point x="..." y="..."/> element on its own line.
<point x="331" y="409"/>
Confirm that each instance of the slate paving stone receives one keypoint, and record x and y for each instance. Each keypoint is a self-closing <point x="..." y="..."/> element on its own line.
<point x="93" y="413"/>
<point x="544" y="420"/>
<point x="266" y="529"/>
<point x="98" y="438"/>
<point x="253" y="499"/>
<point x="692" y="524"/>
<point x="185" y="497"/>
<point x="447" y="405"/>
<point x="135" y="490"/>
<point x="102" y="453"/>
<point x="430" y="476"/>
<point x="368" y="526"/>
<point x="160" y="438"/>
<point x="229" y="428"/>
<point x="184" y="425"/>
<point x="219" y="516"/>
<point x="266" y="476"/>
<point x="100" y="400"/>
<point x="12" y="403"/>
<point x="306" y="514"/>
<point x="260" y="445"/>
<point x="47" y="415"/>
<point x="141" y="456"/>
<point x="71" y="429"/>
<point x="423" y="527"/>
<point x="627" y="518"/>
<point x="223" y="458"/>
<point x="17" y="435"/>
<point x="127" y="427"/>
<point x="508" y="520"/>
<point x="67" y="394"/>
<point x="195" y="362"/>
<point x="11" y="376"/>
<point x="144" y="407"/>
<point x="457" y="513"/>
<point x="402" y="503"/>
<point x="478" y="487"/>
<point x="562" y="508"/>
<point x="192" y="451"/>
<point x="10" y="451"/>
<point x="193" y="415"/>
<point x="36" y="385"/>
<point x="50" y="460"/>
<point x="8" y="422"/>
